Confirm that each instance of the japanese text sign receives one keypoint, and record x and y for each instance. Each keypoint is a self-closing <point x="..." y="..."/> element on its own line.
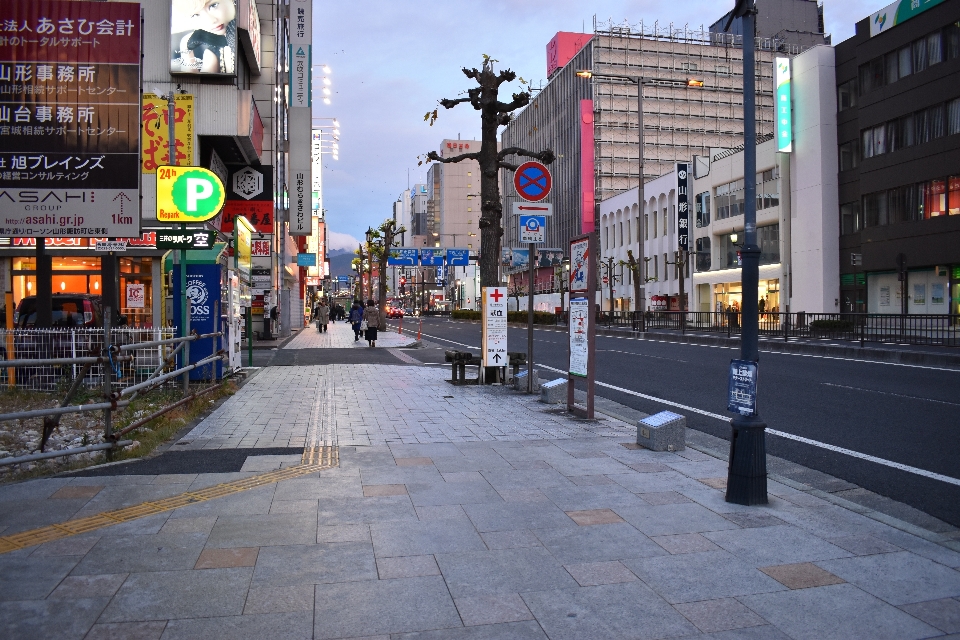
<point x="402" y="257"/>
<point x="683" y="207"/>
<point x="186" y="239"/>
<point x="494" y="335"/>
<point x="742" y="393"/>
<point x="155" y="146"/>
<point x="69" y="118"/>
<point x="784" y="106"/>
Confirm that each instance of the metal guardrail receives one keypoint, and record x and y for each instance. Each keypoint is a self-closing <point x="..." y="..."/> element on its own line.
<point x="97" y="352"/>
<point x="927" y="329"/>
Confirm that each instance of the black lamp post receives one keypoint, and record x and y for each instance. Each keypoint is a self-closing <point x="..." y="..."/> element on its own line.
<point x="747" y="471"/>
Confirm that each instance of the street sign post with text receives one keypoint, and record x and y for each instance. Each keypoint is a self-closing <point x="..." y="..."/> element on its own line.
<point x="583" y="331"/>
<point x="494" y="338"/>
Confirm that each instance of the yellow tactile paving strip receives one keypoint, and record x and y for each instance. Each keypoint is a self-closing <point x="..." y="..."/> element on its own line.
<point x="314" y="459"/>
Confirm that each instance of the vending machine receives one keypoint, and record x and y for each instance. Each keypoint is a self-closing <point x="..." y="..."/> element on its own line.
<point x="232" y="320"/>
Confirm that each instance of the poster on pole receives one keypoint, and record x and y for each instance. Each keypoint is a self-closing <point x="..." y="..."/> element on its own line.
<point x="742" y="392"/>
<point x="69" y="119"/>
<point x="579" y="337"/>
<point x="494" y="339"/>
<point x="579" y="265"/>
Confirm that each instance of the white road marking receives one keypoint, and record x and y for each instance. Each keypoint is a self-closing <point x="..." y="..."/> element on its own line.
<point x="889" y="393"/>
<point x="787" y="436"/>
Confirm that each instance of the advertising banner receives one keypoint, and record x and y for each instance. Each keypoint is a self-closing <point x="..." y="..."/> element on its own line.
<point x="203" y="37"/>
<point x="203" y="291"/>
<point x="136" y="296"/>
<point x="549" y="257"/>
<point x="249" y="194"/>
<point x="784" y="107"/>
<point x="519" y="259"/>
<point x="897" y="13"/>
<point x="261" y="247"/>
<point x="155" y="119"/>
<point x="683" y="207"/>
<point x="242" y="241"/>
<point x="306" y="259"/>
<point x="742" y="391"/>
<point x="300" y="172"/>
<point x="186" y="239"/>
<point x="69" y="118"/>
<point x="579" y="264"/>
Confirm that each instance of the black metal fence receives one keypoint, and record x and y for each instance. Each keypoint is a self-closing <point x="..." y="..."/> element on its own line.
<point x="940" y="330"/>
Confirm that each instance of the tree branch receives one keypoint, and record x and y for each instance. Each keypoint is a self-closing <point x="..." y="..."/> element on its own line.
<point x="433" y="155"/>
<point x="446" y="103"/>
<point x="509" y="166"/>
<point x="507" y="75"/>
<point x="519" y="100"/>
<point x="546" y="157"/>
<point x="472" y="73"/>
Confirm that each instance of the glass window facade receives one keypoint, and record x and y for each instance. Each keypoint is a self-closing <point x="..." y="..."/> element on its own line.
<point x="919" y="55"/>
<point x="911" y="203"/>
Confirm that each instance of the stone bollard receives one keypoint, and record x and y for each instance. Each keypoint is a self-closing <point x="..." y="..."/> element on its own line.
<point x="520" y="381"/>
<point x="664" y="431"/>
<point x="554" y="392"/>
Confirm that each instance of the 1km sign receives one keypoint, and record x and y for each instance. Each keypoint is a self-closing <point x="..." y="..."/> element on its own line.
<point x="188" y="194"/>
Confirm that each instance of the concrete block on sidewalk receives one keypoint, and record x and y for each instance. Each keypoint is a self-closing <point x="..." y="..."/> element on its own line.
<point x="664" y="431"/>
<point x="554" y="392"/>
<point x="520" y="381"/>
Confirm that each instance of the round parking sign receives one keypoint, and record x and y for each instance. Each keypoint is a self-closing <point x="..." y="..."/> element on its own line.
<point x="532" y="181"/>
<point x="188" y="194"/>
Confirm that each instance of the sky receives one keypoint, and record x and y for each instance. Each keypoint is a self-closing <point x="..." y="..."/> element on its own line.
<point x="391" y="60"/>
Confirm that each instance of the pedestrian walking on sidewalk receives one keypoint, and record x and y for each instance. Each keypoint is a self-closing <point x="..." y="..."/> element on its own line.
<point x="356" y="318"/>
<point x="323" y="316"/>
<point x="372" y="318"/>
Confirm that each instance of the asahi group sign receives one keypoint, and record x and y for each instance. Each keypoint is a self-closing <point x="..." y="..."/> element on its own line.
<point x="69" y="118"/>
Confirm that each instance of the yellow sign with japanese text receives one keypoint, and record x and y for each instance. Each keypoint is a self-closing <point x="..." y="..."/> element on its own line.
<point x="154" y="141"/>
<point x="188" y="194"/>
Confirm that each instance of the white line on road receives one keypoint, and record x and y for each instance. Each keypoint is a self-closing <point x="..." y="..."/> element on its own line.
<point x="787" y="436"/>
<point x="890" y="393"/>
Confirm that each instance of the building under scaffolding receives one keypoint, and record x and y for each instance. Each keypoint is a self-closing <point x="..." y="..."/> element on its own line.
<point x="572" y="113"/>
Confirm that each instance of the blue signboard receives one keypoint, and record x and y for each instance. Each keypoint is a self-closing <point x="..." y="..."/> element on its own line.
<point x="441" y="276"/>
<point x="203" y="290"/>
<point x="533" y="229"/>
<point x="458" y="257"/>
<point x="343" y="279"/>
<point x="431" y="257"/>
<point x="742" y="395"/>
<point x="402" y="258"/>
<point x="306" y="259"/>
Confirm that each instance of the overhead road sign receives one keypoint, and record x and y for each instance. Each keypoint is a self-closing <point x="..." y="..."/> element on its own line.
<point x="188" y="194"/>
<point x="532" y="181"/>
<point x="533" y="229"/>
<point x="402" y="258"/>
<point x="531" y="209"/>
<point x="432" y="257"/>
<point x="458" y="257"/>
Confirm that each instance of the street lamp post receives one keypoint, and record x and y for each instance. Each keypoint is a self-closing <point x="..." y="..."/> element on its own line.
<point x="747" y="471"/>
<point x="640" y="81"/>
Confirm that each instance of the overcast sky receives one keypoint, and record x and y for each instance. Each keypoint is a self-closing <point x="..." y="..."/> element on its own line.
<point x="392" y="60"/>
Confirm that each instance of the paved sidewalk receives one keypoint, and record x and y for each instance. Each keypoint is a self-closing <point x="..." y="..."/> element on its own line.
<point x="339" y="335"/>
<point x="457" y="513"/>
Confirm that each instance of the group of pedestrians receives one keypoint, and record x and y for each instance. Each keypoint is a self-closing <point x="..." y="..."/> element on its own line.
<point x="364" y="320"/>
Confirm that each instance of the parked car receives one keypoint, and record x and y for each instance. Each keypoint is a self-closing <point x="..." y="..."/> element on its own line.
<point x="70" y="310"/>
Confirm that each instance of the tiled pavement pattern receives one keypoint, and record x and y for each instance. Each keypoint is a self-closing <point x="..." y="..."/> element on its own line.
<point x="339" y="335"/>
<point x="569" y="538"/>
<point x="467" y="513"/>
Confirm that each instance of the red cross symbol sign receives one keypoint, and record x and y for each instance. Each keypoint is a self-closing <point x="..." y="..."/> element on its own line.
<point x="496" y="295"/>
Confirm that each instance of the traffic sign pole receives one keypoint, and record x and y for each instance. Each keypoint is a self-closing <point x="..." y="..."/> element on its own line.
<point x="533" y="274"/>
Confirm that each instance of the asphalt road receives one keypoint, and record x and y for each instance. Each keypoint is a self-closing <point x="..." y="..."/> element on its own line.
<point x="900" y="414"/>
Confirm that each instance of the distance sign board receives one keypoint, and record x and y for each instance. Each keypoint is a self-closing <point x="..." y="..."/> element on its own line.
<point x="494" y="339"/>
<point x="401" y="257"/>
<point x="188" y="194"/>
<point x="69" y="119"/>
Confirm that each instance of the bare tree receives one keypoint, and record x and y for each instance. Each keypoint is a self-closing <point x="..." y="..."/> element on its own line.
<point x="516" y="290"/>
<point x="381" y="242"/>
<point x="493" y="114"/>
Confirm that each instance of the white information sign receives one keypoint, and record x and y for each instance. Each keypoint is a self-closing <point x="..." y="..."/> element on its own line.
<point x="532" y="209"/>
<point x="105" y="246"/>
<point x="579" y="354"/>
<point x="494" y="326"/>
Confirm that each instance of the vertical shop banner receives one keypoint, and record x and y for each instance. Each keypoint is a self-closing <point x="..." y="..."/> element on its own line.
<point x="249" y="194"/>
<point x="301" y="45"/>
<point x="69" y="118"/>
<point x="242" y="244"/>
<point x="204" y="293"/>
<point x="683" y="207"/>
<point x="784" y="107"/>
<point x="321" y="249"/>
<point x="300" y="172"/>
<point x="579" y="334"/>
<point x="155" y="119"/>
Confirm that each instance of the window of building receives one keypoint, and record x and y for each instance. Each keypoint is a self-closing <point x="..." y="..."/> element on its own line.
<point x="769" y="240"/>
<point x="892" y="64"/>
<point x="723" y="70"/>
<point x="871" y="75"/>
<point x="849" y="156"/>
<point x="951" y="41"/>
<point x="953" y="196"/>
<point x="953" y="117"/>
<point x="666" y="227"/>
<point x="850" y="218"/>
<point x="934" y="194"/>
<point x="905" y="62"/>
<point x="621" y="233"/>
<point x="934" y="48"/>
<point x="646" y="226"/>
<point x="847" y="95"/>
<point x="629" y="241"/>
<point x="730" y="199"/>
<point x="919" y="55"/>
<point x="702" y="246"/>
<point x="768" y="189"/>
<point x="702" y="204"/>
<point x="866" y="143"/>
<point x="655" y="216"/>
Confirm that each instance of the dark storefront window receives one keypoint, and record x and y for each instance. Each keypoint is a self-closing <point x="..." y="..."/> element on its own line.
<point x="703" y="254"/>
<point x="850" y="221"/>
